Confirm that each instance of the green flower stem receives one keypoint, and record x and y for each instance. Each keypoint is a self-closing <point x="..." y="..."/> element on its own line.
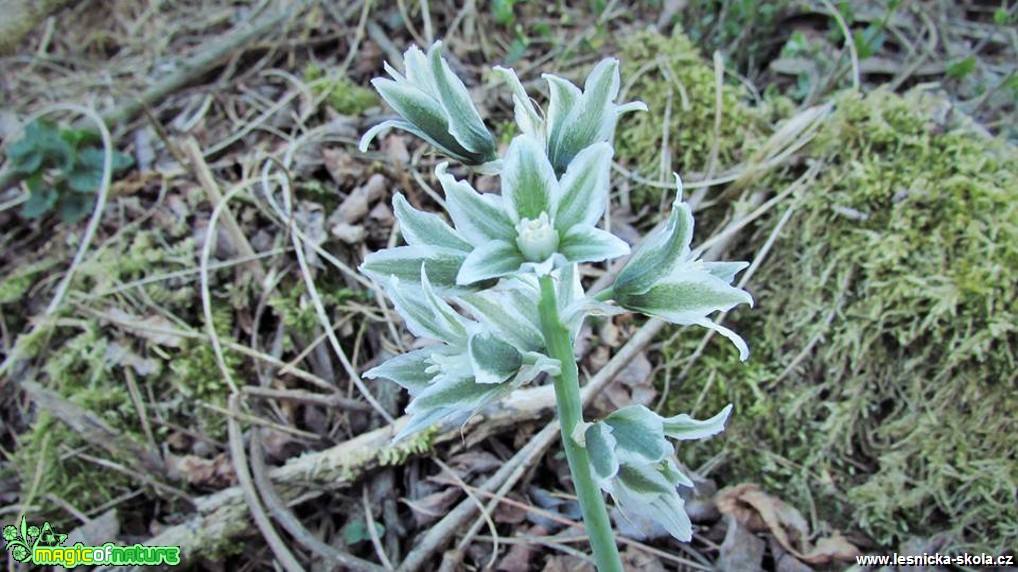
<point x="570" y="413"/>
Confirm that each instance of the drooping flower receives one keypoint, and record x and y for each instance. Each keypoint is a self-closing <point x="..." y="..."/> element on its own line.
<point x="665" y="279"/>
<point x="576" y="119"/>
<point x="474" y="364"/>
<point x="435" y="106"/>
<point x="633" y="461"/>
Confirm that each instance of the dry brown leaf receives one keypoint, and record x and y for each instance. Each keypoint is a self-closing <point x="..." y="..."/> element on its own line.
<point x="473" y="463"/>
<point x="517" y="559"/>
<point x="359" y="201"/>
<point x="215" y="473"/>
<point x="430" y="508"/>
<point x="101" y="529"/>
<point x="632" y="385"/>
<point x="636" y="560"/>
<point x="567" y="563"/>
<point x="741" y="550"/>
<point x="762" y="512"/>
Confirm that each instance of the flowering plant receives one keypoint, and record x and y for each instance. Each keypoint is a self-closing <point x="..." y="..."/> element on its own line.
<point x="500" y="293"/>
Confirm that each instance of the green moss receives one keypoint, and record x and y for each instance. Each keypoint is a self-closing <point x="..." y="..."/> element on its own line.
<point x="891" y="306"/>
<point x="297" y="312"/>
<point x="194" y="378"/>
<point x="79" y="371"/>
<point x="669" y="73"/>
<point x="47" y="464"/>
<point x="81" y="363"/>
<point x="340" y="93"/>
<point x="419" y="444"/>
<point x="14" y="287"/>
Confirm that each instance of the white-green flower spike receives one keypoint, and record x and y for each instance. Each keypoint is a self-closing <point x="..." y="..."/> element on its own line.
<point x="499" y="289"/>
<point x="435" y="106"/>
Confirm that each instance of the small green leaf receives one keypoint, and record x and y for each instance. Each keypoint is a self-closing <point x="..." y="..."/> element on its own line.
<point x="725" y="270"/>
<point x="687" y="296"/>
<point x="40" y="148"/>
<point x="1000" y="16"/>
<point x="404" y="262"/>
<point x="529" y="186"/>
<point x="600" y="446"/>
<point x="517" y="49"/>
<point x="85" y="178"/>
<point x="74" y="207"/>
<point x="585" y="243"/>
<point x="425" y="314"/>
<point x="77" y="137"/>
<point x="357" y="531"/>
<point x="408" y="370"/>
<point x="962" y="68"/>
<point x="563" y="98"/>
<point x="39" y="202"/>
<point x="465" y="123"/>
<point x="493" y="360"/>
<point x="638" y="434"/>
<point x="584" y="187"/>
<point x="458" y="394"/>
<point x="503" y="313"/>
<point x="660" y="252"/>
<point x="868" y="41"/>
<point x="503" y="11"/>
<point x="478" y="218"/>
<point x="526" y="115"/>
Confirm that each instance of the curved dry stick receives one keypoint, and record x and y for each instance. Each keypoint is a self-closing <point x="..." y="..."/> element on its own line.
<point x="240" y="467"/>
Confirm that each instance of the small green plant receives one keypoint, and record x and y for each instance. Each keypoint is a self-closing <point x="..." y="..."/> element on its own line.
<point x="63" y="168"/>
<point x="500" y="288"/>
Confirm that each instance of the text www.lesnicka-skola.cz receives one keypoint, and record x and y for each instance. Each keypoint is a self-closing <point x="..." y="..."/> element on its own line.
<point x="935" y="559"/>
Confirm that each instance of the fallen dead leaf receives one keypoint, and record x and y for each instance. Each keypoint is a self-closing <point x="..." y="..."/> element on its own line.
<point x="517" y="559"/>
<point x="761" y="512"/>
<point x="636" y="560"/>
<point x="634" y="384"/>
<point x="101" y="529"/>
<point x="741" y="550"/>
<point x="567" y="563"/>
<point x="434" y="506"/>
<point x="359" y="201"/>
<point x="215" y="473"/>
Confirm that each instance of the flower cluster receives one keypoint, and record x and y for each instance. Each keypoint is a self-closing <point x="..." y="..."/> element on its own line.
<point x="479" y="287"/>
<point x="634" y="462"/>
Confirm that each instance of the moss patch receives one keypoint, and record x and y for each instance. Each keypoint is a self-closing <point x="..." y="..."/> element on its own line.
<point x="882" y="384"/>
<point x="669" y="73"/>
<point x="340" y="93"/>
